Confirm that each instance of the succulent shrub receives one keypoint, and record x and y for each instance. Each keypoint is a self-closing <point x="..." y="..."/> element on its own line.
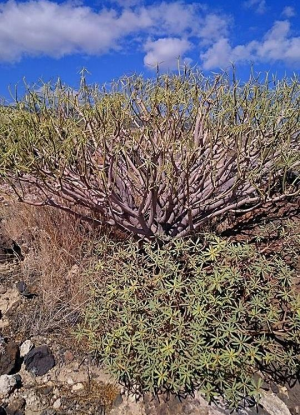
<point x="159" y="157"/>
<point x="191" y="316"/>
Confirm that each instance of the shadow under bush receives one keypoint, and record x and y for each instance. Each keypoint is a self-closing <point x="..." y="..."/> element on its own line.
<point x="194" y="316"/>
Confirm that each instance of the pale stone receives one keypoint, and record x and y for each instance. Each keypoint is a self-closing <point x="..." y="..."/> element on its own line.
<point x="70" y="381"/>
<point x="272" y="404"/>
<point x="7" y="384"/>
<point x="78" y="387"/>
<point x="26" y="347"/>
<point x="57" y="404"/>
<point x="7" y="301"/>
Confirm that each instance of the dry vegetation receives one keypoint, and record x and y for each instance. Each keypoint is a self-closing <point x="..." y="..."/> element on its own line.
<point x="55" y="249"/>
<point x="168" y="161"/>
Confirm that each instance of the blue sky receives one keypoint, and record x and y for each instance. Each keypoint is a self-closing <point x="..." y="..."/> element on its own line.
<point x="46" y="39"/>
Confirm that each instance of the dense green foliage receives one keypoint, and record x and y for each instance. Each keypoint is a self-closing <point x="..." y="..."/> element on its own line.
<point x="159" y="157"/>
<point x="193" y="315"/>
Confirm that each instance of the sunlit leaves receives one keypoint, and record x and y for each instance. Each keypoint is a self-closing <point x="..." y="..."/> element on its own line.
<point x="160" y="157"/>
<point x="174" y="325"/>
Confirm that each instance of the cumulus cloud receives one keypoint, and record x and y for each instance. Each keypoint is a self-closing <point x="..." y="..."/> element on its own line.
<point x="258" y="5"/>
<point x="165" y="52"/>
<point x="44" y="27"/>
<point x="167" y="30"/>
<point x="218" y="55"/>
<point x="177" y="17"/>
<point x="213" y="27"/>
<point x="288" y="12"/>
<point x="276" y="45"/>
<point x="47" y="28"/>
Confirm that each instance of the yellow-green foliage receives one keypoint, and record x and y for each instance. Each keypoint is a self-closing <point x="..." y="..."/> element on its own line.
<point x="159" y="157"/>
<point x="192" y="316"/>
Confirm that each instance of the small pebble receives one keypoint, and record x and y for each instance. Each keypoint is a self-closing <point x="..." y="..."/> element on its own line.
<point x="46" y="378"/>
<point x="2" y="289"/>
<point x="7" y="384"/>
<point x="46" y="390"/>
<point x="77" y="387"/>
<point x="57" y="404"/>
<point x="25" y="348"/>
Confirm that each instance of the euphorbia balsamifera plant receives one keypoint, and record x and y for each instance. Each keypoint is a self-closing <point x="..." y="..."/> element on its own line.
<point x="159" y="157"/>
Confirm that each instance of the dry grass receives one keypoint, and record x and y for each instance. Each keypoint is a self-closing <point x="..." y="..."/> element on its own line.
<point x="57" y="250"/>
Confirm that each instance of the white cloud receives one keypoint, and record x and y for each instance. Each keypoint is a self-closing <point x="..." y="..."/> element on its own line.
<point x="218" y="55"/>
<point x="288" y="12"/>
<point x="47" y="28"/>
<point x="213" y="28"/>
<point x="165" y="52"/>
<point x="276" y="45"/>
<point x="168" y="30"/>
<point x="43" y="27"/>
<point x="259" y="5"/>
<point x="177" y="17"/>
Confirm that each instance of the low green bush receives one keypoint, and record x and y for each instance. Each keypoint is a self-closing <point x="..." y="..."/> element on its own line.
<point x="194" y="316"/>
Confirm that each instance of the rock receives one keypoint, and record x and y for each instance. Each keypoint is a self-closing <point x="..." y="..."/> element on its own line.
<point x="7" y="384"/>
<point x="23" y="289"/>
<point x="273" y="405"/>
<point x="274" y="388"/>
<point x="77" y="387"/>
<point x="290" y="395"/>
<point x="8" y="302"/>
<point x="26" y="347"/>
<point x="33" y="402"/>
<point x="46" y="378"/>
<point x="57" y="404"/>
<point x="39" y="360"/>
<point x="46" y="389"/>
<point x="9" y="358"/>
<point x="17" y="408"/>
<point x="2" y="289"/>
<point x="55" y="391"/>
<point x="171" y="405"/>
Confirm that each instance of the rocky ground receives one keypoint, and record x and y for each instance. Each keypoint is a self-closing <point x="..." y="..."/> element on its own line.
<point x="49" y="374"/>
